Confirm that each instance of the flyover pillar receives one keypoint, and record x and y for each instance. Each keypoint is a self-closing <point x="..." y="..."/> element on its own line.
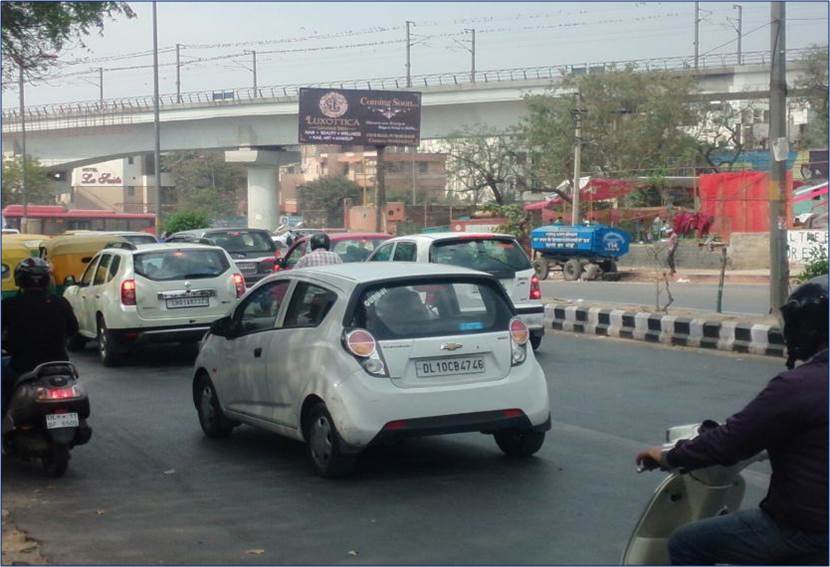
<point x="263" y="185"/>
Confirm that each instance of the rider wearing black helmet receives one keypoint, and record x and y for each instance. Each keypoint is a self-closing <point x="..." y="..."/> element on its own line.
<point x="788" y="419"/>
<point x="320" y="255"/>
<point x="36" y="323"/>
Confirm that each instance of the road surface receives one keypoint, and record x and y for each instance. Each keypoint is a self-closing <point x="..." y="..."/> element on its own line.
<point x="150" y="489"/>
<point x="737" y="298"/>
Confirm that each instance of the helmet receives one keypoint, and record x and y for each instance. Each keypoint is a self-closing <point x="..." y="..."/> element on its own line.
<point x="805" y="320"/>
<point x="320" y="240"/>
<point x="32" y="272"/>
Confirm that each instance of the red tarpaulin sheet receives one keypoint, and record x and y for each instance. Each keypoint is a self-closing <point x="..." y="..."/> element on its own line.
<point x="739" y="201"/>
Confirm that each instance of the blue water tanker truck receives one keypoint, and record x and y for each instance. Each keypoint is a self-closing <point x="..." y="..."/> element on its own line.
<point x="589" y="252"/>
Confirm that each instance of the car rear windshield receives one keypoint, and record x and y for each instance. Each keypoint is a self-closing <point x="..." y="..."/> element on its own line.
<point x="356" y="249"/>
<point x="433" y="308"/>
<point x="501" y="257"/>
<point x="139" y="238"/>
<point x="190" y="264"/>
<point x="243" y="241"/>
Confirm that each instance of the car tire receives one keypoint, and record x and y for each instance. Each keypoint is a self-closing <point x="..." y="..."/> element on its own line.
<point x="56" y="461"/>
<point x="76" y="343"/>
<point x="541" y="268"/>
<point x="572" y="270"/>
<point x="519" y="444"/>
<point x="105" y="346"/>
<point x="213" y="420"/>
<point x="536" y="340"/>
<point x="324" y="445"/>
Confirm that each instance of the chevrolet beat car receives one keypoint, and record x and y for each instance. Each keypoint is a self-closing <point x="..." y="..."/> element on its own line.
<point x="347" y="356"/>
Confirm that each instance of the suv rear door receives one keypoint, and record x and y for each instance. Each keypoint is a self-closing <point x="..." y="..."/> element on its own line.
<point x="182" y="283"/>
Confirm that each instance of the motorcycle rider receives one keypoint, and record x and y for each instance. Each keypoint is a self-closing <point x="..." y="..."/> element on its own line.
<point x="788" y="419"/>
<point x="320" y="254"/>
<point x="36" y="324"/>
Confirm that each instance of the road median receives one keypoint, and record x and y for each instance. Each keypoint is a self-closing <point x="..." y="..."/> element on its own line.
<point x="686" y="327"/>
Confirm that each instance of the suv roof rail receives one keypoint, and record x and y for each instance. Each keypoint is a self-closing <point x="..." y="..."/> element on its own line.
<point x="121" y="245"/>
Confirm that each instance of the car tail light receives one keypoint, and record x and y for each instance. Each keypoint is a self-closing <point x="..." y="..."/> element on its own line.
<point x="239" y="284"/>
<point x="535" y="290"/>
<point x="519" y="335"/>
<point x="66" y="393"/>
<point x="362" y="345"/>
<point x="128" y="292"/>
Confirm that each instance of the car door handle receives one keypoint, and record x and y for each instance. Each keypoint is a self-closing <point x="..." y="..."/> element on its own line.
<point x="257" y="352"/>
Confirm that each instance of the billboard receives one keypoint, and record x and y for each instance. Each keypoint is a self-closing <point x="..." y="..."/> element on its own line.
<point x="360" y="117"/>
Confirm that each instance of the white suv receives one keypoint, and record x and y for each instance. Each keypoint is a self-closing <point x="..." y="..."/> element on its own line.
<point x="131" y="295"/>
<point x="497" y="254"/>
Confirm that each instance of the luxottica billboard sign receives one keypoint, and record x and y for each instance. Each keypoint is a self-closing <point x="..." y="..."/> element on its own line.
<point x="357" y="117"/>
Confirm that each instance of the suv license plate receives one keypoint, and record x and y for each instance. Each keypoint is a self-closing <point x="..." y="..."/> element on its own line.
<point x="449" y="367"/>
<point x="57" y="420"/>
<point x="182" y="302"/>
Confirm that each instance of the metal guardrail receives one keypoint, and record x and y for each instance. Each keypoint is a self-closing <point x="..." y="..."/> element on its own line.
<point x="117" y="110"/>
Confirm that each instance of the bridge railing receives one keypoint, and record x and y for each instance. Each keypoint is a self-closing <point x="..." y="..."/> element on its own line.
<point x="119" y="110"/>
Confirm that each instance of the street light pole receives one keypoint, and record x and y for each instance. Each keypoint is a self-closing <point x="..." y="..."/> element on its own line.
<point x="740" y="29"/>
<point x="408" y="60"/>
<point x="697" y="33"/>
<point x="101" y="85"/>
<point x="24" y="220"/>
<point x="156" y="125"/>
<point x="178" y="74"/>
<point x="253" y="63"/>
<point x="473" y="53"/>
<point x="779" y="269"/>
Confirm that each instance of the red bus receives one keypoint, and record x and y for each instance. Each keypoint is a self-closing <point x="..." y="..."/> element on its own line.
<point x="56" y="219"/>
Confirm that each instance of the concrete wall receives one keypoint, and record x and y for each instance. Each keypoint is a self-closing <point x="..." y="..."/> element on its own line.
<point x="749" y="250"/>
<point x="689" y="256"/>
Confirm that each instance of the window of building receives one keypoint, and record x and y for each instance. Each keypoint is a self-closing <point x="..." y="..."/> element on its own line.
<point x="423" y="167"/>
<point x="130" y="191"/>
<point x="130" y="160"/>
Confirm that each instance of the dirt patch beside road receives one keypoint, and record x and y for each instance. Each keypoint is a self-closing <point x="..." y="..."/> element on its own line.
<point x="18" y="548"/>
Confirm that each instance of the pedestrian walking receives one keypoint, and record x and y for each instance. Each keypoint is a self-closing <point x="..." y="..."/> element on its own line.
<point x="673" y="241"/>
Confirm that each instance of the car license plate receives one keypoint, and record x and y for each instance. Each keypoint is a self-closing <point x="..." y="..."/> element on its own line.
<point x="247" y="268"/>
<point x="449" y="367"/>
<point x="57" y="420"/>
<point x="182" y="302"/>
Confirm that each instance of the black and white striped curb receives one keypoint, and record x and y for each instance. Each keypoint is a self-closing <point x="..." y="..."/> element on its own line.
<point x="667" y="329"/>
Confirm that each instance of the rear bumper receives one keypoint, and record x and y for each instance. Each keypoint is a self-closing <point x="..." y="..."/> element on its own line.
<point x="533" y="316"/>
<point x="153" y="335"/>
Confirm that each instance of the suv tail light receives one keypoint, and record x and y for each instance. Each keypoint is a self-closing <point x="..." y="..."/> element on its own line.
<point x="519" y="335"/>
<point x="535" y="290"/>
<point x="239" y="284"/>
<point x="128" y="292"/>
<point x="362" y="345"/>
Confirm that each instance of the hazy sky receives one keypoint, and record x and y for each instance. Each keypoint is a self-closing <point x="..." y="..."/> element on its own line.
<point x="509" y="34"/>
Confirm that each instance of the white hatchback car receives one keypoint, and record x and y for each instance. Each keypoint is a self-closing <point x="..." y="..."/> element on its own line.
<point x="497" y="254"/>
<point x="132" y="295"/>
<point x="346" y="356"/>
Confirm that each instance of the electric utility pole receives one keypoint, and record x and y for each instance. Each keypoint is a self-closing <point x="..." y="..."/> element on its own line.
<point x="253" y="63"/>
<point x="178" y="73"/>
<point x="575" y="213"/>
<point x="779" y="150"/>
<point x="156" y="125"/>
<point x="739" y="29"/>
<point x="697" y="33"/>
<point x="408" y="60"/>
<point x="101" y="86"/>
<point x="473" y="53"/>
<point x="24" y="220"/>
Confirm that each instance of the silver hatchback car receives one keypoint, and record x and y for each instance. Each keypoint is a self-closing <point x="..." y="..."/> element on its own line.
<point x="344" y="357"/>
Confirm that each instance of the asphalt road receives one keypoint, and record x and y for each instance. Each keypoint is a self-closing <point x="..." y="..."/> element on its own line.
<point x="737" y="298"/>
<point x="150" y="489"/>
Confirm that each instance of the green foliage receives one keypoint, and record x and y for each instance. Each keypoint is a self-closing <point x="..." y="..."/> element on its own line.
<point x="327" y="194"/>
<point x="814" y="81"/>
<point x="516" y="222"/>
<point x="632" y="121"/>
<point x="815" y="263"/>
<point x="186" y="220"/>
<point x="37" y="183"/>
<point x="206" y="183"/>
<point x="34" y="32"/>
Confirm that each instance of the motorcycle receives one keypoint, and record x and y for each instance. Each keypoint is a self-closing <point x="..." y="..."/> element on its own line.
<point x="688" y="496"/>
<point x="47" y="416"/>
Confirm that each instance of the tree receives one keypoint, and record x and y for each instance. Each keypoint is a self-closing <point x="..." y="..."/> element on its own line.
<point x="632" y="121"/>
<point x="719" y="139"/>
<point x="327" y="194"/>
<point x="205" y="182"/>
<point x="480" y="161"/>
<point x="37" y="183"/>
<point x="815" y="84"/>
<point x="34" y="32"/>
<point x="186" y="220"/>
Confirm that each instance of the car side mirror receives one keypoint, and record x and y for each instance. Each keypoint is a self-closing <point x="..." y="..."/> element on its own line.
<point x="222" y="327"/>
<point x="69" y="281"/>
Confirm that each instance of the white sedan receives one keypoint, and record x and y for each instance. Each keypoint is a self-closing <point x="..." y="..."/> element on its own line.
<point x="344" y="357"/>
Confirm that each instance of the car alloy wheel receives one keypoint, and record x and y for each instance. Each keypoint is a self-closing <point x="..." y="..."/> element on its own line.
<point x="213" y="421"/>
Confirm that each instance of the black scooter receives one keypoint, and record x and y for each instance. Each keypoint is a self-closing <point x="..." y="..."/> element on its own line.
<point x="47" y="416"/>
